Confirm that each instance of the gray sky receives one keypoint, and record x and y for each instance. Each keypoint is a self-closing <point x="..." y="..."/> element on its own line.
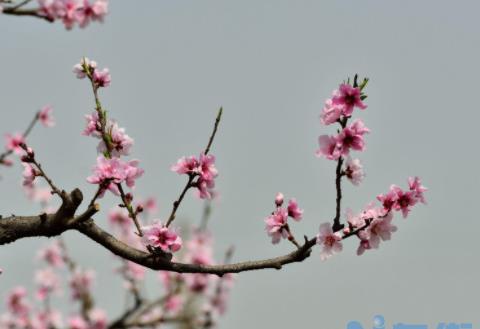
<point x="271" y="65"/>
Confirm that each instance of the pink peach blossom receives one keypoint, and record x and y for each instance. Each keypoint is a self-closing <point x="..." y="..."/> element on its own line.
<point x="120" y="141"/>
<point x="405" y="200"/>
<point x="354" y="171"/>
<point x="186" y="165"/>
<point x="95" y="11"/>
<point x="14" y="142"/>
<point x="159" y="236"/>
<point x="380" y="229"/>
<point x="93" y="127"/>
<point x="294" y="211"/>
<point x="352" y="137"/>
<point x="328" y="147"/>
<point x="102" y="78"/>
<point x="331" y="112"/>
<point x="45" y="116"/>
<point x="416" y="186"/>
<point x="276" y="225"/>
<point x="330" y="241"/>
<point x="349" y="97"/>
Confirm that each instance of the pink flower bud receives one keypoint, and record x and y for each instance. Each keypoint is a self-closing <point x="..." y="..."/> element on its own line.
<point x="279" y="199"/>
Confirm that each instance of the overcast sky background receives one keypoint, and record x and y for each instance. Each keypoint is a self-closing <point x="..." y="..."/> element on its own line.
<point x="271" y="64"/>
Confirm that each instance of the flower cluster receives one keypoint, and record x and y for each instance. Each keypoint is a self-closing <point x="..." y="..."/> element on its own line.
<point x="109" y="173"/>
<point x="72" y="12"/>
<point x="400" y="200"/>
<point x="204" y="168"/>
<point x="342" y="103"/>
<point x="21" y="314"/>
<point x="88" y="68"/>
<point x="15" y="143"/>
<point x="339" y="109"/>
<point x="350" y="138"/>
<point x="373" y="224"/>
<point x="277" y="223"/>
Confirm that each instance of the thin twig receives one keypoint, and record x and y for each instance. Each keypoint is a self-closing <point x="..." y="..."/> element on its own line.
<point x="191" y="177"/>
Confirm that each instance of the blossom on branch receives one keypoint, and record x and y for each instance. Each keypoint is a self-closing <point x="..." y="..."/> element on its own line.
<point x="14" y="142"/>
<point x="202" y="167"/>
<point x="329" y="240"/>
<point x="160" y="236"/>
<point x="349" y="97"/>
<point x="109" y="172"/>
<point x="72" y="12"/>
<point x="45" y="116"/>
<point x="354" y="171"/>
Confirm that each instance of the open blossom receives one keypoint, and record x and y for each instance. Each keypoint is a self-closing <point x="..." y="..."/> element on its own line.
<point x="95" y="11"/>
<point x="351" y="137"/>
<point x="330" y="241"/>
<point x="186" y="165"/>
<point x="293" y="210"/>
<point x="388" y="200"/>
<point x="52" y="254"/>
<point x="276" y="225"/>
<point x="14" y="142"/>
<point x="331" y="112"/>
<point x="328" y="147"/>
<point x="204" y="168"/>
<point x="354" y="171"/>
<point x="110" y="172"/>
<point x="207" y="168"/>
<point x="45" y="116"/>
<point x="380" y="229"/>
<point x="349" y="97"/>
<point x="160" y="236"/>
<point x="417" y="188"/>
<point x="102" y="78"/>
<point x="47" y="282"/>
<point x="405" y="200"/>
<point x="79" y="69"/>
<point x="120" y="141"/>
<point x="397" y="199"/>
<point x="72" y="12"/>
<point x="81" y="282"/>
<point x="93" y="127"/>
